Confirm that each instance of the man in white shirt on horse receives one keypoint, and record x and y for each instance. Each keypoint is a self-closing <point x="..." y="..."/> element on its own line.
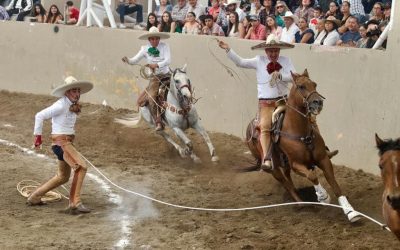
<point x="158" y="58"/>
<point x="63" y="114"/>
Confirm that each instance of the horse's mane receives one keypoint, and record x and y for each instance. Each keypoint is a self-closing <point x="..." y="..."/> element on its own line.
<point x="389" y="144"/>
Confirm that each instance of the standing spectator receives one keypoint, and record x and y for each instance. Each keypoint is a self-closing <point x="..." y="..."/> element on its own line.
<point x="151" y="21"/>
<point x="54" y="15"/>
<point x="20" y="7"/>
<point x="128" y="7"/>
<point x="305" y="34"/>
<point x="72" y="13"/>
<point x="232" y="5"/>
<point x="352" y="35"/>
<point x="281" y="9"/>
<point x="305" y="10"/>
<point x="196" y="8"/>
<point x="257" y="30"/>
<point x="357" y="9"/>
<point x="179" y="12"/>
<point x="272" y="27"/>
<point x="334" y="10"/>
<point x="166" y="24"/>
<point x="39" y="13"/>
<point x="211" y="28"/>
<point x="290" y="28"/>
<point x="3" y="14"/>
<point x="266" y="11"/>
<point x="191" y="25"/>
<point x="362" y="42"/>
<point x="235" y="29"/>
<point x="160" y="9"/>
<point x="331" y="35"/>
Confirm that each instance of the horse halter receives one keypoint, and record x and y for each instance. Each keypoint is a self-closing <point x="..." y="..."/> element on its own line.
<point x="186" y="103"/>
<point x="306" y="95"/>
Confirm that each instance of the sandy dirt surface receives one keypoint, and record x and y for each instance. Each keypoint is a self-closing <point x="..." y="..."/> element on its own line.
<point x="139" y="160"/>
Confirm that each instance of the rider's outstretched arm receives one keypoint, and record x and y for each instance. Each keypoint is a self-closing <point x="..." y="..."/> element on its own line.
<point x="138" y="56"/>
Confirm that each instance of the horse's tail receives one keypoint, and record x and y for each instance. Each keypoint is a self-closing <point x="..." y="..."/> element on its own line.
<point x="131" y="121"/>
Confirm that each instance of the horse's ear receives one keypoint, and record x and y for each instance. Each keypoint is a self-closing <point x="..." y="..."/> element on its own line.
<point x="378" y="140"/>
<point x="305" y="73"/>
<point x="294" y="75"/>
<point x="184" y="68"/>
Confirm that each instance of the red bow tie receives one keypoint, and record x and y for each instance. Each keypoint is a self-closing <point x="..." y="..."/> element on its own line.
<point x="271" y="67"/>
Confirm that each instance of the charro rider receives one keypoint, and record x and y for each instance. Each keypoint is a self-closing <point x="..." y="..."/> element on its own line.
<point x="63" y="114"/>
<point x="158" y="57"/>
<point x="273" y="77"/>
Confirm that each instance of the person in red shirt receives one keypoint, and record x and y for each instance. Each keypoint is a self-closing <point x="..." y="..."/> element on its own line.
<point x="257" y="30"/>
<point x="72" y="15"/>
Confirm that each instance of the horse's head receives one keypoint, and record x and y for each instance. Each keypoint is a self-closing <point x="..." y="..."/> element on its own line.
<point x="305" y="93"/>
<point x="389" y="163"/>
<point x="182" y="88"/>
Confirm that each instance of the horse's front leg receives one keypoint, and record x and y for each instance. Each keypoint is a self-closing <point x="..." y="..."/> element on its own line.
<point x="326" y="166"/>
<point x="189" y="146"/>
<point x="199" y="128"/>
<point x="168" y="138"/>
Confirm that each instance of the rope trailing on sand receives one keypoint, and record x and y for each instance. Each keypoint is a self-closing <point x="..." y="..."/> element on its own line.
<point x="26" y="187"/>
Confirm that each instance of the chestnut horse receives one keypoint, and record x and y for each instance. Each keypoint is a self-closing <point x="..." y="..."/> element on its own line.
<point x="389" y="152"/>
<point x="300" y="146"/>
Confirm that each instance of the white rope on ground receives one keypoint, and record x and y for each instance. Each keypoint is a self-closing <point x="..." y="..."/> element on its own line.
<point x="7" y="143"/>
<point x="228" y="209"/>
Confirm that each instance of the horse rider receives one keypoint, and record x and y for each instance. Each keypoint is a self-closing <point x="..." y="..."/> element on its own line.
<point x="63" y="114"/>
<point x="273" y="73"/>
<point x="158" y="57"/>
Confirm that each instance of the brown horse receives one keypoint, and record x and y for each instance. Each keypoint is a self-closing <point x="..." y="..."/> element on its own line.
<point x="300" y="147"/>
<point x="389" y="152"/>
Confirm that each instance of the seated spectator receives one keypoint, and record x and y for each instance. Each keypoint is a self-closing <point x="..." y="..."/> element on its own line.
<point x="305" y="10"/>
<point x="3" y="14"/>
<point x="266" y="11"/>
<point x="281" y="9"/>
<point x="128" y="7"/>
<point x="257" y="30"/>
<point x="39" y="13"/>
<point x="362" y="42"/>
<point x="290" y="28"/>
<point x="345" y="10"/>
<point x="256" y="7"/>
<point x="179" y="12"/>
<point x="305" y="34"/>
<point x="235" y="29"/>
<point x="196" y="8"/>
<point x="54" y="15"/>
<point x="232" y="5"/>
<point x="334" y="10"/>
<point x="377" y="12"/>
<point x="246" y="26"/>
<point x="351" y="36"/>
<point x="318" y="14"/>
<point x="214" y="9"/>
<point x="151" y="21"/>
<point x="73" y="13"/>
<point x="20" y="7"/>
<point x="160" y="9"/>
<point x="319" y="29"/>
<point x="191" y="25"/>
<point x="331" y="35"/>
<point x="387" y="11"/>
<point x="272" y="27"/>
<point x="211" y="28"/>
<point x="166" y="24"/>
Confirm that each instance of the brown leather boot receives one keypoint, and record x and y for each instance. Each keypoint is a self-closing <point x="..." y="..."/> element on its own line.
<point x="79" y="209"/>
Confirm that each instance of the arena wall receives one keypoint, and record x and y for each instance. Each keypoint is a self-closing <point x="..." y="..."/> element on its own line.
<point x="359" y="85"/>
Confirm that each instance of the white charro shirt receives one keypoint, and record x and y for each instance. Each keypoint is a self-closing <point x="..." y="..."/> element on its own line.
<point x="163" y="60"/>
<point x="63" y="120"/>
<point x="259" y="63"/>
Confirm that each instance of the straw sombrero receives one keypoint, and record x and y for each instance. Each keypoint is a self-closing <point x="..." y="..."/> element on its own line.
<point x="289" y="14"/>
<point x="334" y="21"/>
<point x="153" y="32"/>
<point x="70" y="83"/>
<point x="273" y="43"/>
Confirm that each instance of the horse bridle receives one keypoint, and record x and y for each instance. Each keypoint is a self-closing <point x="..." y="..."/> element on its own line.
<point x="305" y="96"/>
<point x="186" y="85"/>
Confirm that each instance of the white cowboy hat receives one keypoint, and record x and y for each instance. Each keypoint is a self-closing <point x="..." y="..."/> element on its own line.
<point x="232" y="2"/>
<point x="289" y="14"/>
<point x="153" y="32"/>
<point x="273" y="42"/>
<point x="70" y="83"/>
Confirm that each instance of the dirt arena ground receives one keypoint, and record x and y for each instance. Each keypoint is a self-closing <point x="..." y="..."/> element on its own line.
<point x="139" y="160"/>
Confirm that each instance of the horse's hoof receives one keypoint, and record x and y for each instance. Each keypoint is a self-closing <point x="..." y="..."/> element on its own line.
<point x="323" y="198"/>
<point x="354" y="216"/>
<point x="196" y="160"/>
<point x="215" y="159"/>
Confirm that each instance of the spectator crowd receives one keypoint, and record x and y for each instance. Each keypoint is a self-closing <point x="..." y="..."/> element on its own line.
<point x="350" y="23"/>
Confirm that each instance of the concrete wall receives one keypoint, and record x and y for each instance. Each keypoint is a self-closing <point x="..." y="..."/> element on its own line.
<point x="360" y="85"/>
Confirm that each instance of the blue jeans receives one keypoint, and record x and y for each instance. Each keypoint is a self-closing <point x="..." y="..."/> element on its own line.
<point x="124" y="9"/>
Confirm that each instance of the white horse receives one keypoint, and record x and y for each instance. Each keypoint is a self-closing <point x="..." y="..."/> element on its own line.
<point x="180" y="114"/>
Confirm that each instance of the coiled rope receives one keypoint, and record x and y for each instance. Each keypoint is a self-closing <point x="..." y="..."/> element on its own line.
<point x="26" y="187"/>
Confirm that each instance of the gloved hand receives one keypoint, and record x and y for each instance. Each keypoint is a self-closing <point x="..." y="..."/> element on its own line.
<point x="38" y="141"/>
<point x="275" y="78"/>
